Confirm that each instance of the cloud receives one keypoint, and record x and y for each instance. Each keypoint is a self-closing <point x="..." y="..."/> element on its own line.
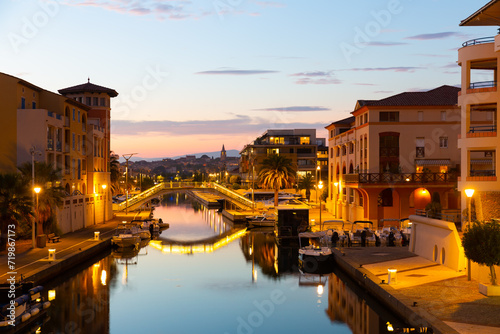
<point x="174" y="9"/>
<point x="237" y="72"/>
<point x="237" y="125"/>
<point x="375" y="43"/>
<point x="385" y="69"/>
<point x="437" y="35"/>
<point x="270" y="4"/>
<point x="316" y="78"/>
<point x="296" y="109"/>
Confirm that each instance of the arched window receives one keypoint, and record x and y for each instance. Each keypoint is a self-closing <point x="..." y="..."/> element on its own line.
<point x="385" y="197"/>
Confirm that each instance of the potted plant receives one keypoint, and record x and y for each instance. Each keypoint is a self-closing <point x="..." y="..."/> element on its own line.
<point x="481" y="244"/>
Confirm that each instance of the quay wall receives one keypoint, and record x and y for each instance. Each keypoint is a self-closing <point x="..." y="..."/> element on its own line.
<point x="390" y="297"/>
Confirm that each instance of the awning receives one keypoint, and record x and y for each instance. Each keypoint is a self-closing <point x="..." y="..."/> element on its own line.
<point x="433" y="162"/>
<point x="481" y="161"/>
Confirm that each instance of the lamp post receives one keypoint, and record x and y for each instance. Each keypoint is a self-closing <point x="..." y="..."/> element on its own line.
<point x="127" y="158"/>
<point x="33" y="151"/>
<point x="35" y="222"/>
<point x="104" y="202"/>
<point x="469" y="193"/>
<point x="320" y="186"/>
<point x="317" y="169"/>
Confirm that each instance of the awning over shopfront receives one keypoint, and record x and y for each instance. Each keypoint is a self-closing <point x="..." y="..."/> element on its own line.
<point x="433" y="162"/>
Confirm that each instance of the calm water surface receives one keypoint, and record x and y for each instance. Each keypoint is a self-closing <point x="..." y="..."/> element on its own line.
<point x="203" y="276"/>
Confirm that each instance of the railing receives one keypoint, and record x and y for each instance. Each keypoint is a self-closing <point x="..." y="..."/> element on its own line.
<point x="483" y="128"/>
<point x="477" y="41"/>
<point x="482" y="84"/>
<point x="233" y="195"/>
<point x="400" y="178"/>
<point x="449" y="217"/>
<point x="483" y="172"/>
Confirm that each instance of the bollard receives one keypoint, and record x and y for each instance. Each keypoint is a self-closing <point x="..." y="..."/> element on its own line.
<point x="392" y="277"/>
<point x="52" y="254"/>
<point x="96" y="235"/>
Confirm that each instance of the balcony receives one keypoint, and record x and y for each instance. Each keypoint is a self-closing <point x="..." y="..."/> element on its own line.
<point x="58" y="146"/>
<point x="50" y="144"/>
<point x="404" y="178"/>
<point x="478" y="41"/>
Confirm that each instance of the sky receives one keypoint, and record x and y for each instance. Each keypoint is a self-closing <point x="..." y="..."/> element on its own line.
<point x="193" y="75"/>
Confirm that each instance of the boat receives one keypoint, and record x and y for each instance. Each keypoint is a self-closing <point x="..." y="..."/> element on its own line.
<point x="336" y="232"/>
<point x="263" y="220"/>
<point x="21" y="305"/>
<point x="391" y="232"/>
<point x="315" y="257"/>
<point x="124" y="238"/>
<point x="137" y="227"/>
<point x="363" y="234"/>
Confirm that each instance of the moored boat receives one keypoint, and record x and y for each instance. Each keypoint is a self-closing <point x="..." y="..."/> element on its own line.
<point x="124" y="238"/>
<point x="315" y="256"/>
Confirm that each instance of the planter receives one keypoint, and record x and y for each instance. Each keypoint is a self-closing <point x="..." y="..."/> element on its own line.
<point x="489" y="290"/>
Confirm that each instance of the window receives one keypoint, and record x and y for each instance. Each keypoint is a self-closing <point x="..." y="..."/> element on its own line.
<point x="443" y="115"/>
<point x="443" y="142"/>
<point x="365" y="116"/>
<point x="332" y="134"/>
<point x="78" y="144"/>
<point x="74" y="114"/>
<point x="33" y="105"/>
<point x="420" y="143"/>
<point x="96" y="101"/>
<point x="74" y="141"/>
<point x="87" y="101"/>
<point x="351" y="148"/>
<point x="385" y="197"/>
<point x="305" y="141"/>
<point x="389" y="116"/>
<point x="23" y="103"/>
<point x="79" y="116"/>
<point x="271" y="151"/>
<point x="277" y="140"/>
<point x="344" y="150"/>
<point x="103" y="102"/>
<point x="420" y="116"/>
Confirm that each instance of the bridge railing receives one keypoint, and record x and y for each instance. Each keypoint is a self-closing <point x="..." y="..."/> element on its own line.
<point x="233" y="195"/>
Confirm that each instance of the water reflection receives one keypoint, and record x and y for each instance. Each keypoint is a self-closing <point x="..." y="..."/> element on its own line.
<point x="242" y="282"/>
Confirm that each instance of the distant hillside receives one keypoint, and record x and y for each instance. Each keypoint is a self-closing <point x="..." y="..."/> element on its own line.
<point x="215" y="154"/>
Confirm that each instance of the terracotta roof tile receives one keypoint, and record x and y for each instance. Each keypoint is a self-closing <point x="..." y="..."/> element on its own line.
<point x="88" y="88"/>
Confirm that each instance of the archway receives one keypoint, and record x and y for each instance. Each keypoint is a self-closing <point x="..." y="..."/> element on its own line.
<point x="420" y="197"/>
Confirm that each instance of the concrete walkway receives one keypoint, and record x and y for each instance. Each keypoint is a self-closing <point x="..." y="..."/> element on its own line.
<point x="29" y="264"/>
<point x="442" y="292"/>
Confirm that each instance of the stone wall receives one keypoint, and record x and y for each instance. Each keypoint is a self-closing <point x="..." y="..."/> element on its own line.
<point x="487" y="205"/>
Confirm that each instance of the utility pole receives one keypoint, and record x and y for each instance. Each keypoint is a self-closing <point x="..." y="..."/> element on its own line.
<point x="127" y="158"/>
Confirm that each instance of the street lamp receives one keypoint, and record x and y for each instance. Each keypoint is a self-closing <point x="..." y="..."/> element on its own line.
<point x="320" y="186"/>
<point x="37" y="191"/>
<point x="104" y="190"/>
<point x="317" y="169"/>
<point x="127" y="158"/>
<point x="469" y="193"/>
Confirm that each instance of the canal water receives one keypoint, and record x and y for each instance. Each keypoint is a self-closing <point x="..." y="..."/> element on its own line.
<point x="204" y="275"/>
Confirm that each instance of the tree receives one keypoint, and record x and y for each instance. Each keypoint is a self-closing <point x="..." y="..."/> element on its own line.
<point x="15" y="204"/>
<point x="277" y="172"/>
<point x="481" y="244"/>
<point x="434" y="208"/>
<point x="114" y="173"/>
<point x="52" y="194"/>
<point x="307" y="183"/>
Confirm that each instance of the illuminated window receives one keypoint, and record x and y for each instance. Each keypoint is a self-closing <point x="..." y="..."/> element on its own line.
<point x="271" y="151"/>
<point x="305" y="141"/>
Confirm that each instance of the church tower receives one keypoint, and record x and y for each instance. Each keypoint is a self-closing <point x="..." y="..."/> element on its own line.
<point x="223" y="154"/>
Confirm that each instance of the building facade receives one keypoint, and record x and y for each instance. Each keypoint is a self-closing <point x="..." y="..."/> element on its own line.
<point x="479" y="97"/>
<point x="387" y="159"/>
<point x="299" y="145"/>
<point x="69" y="134"/>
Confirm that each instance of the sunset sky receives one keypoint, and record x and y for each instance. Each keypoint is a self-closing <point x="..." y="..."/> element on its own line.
<point x="194" y="75"/>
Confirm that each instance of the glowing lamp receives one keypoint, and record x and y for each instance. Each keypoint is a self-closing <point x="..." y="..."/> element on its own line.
<point x="469" y="192"/>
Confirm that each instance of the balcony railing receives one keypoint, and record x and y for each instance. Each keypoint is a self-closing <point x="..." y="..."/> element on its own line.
<point x="483" y="128"/>
<point x="400" y="178"/>
<point x="483" y="172"/>
<point x="477" y="41"/>
<point x="482" y="84"/>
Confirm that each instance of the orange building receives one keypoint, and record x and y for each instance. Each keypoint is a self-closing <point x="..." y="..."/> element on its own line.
<point x="387" y="159"/>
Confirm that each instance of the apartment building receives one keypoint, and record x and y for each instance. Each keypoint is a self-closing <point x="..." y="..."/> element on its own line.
<point x="306" y="151"/>
<point x="391" y="155"/>
<point x="478" y="142"/>
<point x="66" y="132"/>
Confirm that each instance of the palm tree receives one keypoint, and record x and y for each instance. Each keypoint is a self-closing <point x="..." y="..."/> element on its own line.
<point x="15" y="205"/>
<point x="307" y="183"/>
<point x="277" y="172"/>
<point x="114" y="172"/>
<point x="52" y="194"/>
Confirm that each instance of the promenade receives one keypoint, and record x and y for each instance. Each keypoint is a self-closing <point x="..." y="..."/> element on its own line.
<point x="33" y="264"/>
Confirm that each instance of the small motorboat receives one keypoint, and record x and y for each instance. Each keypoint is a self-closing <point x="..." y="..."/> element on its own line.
<point x="363" y="234"/>
<point x="263" y="220"/>
<point x="24" y="306"/>
<point x="315" y="257"/>
<point x="137" y="227"/>
<point x="124" y="238"/>
<point x="336" y="232"/>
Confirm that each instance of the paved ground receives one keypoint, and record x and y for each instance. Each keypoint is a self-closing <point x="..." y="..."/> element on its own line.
<point x="28" y="261"/>
<point x="441" y="291"/>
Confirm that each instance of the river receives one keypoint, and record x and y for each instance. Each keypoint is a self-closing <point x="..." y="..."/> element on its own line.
<point x="204" y="276"/>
